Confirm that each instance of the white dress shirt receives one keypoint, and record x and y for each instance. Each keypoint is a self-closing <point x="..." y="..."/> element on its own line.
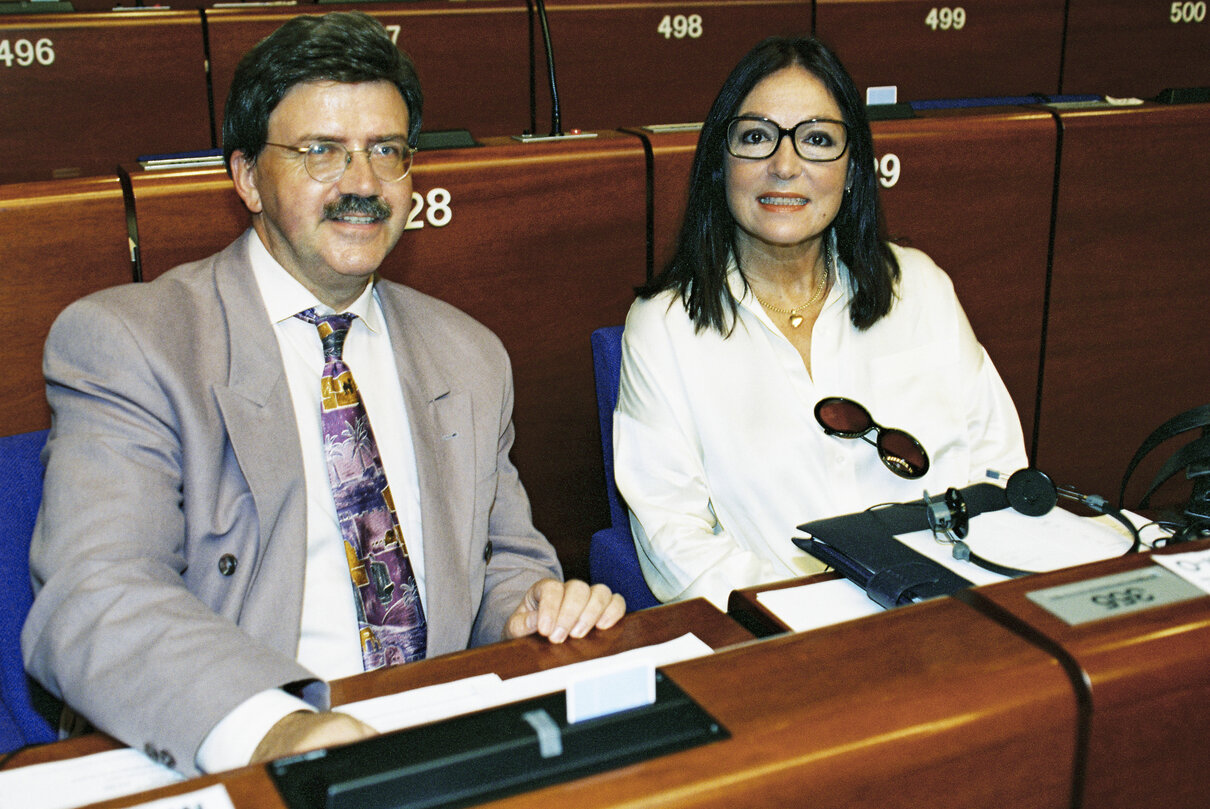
<point x="329" y="643"/>
<point x="719" y="456"/>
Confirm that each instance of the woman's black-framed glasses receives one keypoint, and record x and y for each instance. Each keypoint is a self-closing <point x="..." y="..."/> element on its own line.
<point x="899" y="451"/>
<point x="819" y="140"/>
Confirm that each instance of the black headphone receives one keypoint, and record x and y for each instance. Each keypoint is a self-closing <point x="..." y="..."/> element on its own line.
<point x="1029" y="491"/>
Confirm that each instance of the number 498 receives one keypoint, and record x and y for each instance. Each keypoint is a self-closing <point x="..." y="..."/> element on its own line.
<point x="680" y="26"/>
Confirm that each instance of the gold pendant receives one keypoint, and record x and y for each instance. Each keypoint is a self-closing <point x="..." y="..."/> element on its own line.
<point x="795" y="321"/>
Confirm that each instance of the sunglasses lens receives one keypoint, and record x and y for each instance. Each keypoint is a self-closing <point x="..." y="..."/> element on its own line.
<point x="902" y="454"/>
<point x="844" y="417"/>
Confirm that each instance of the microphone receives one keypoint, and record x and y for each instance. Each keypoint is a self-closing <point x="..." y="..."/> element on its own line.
<point x="556" y="118"/>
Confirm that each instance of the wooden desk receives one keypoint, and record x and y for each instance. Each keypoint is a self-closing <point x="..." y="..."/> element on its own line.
<point x="1129" y="48"/>
<point x="251" y="788"/>
<point x="1142" y="680"/>
<point x="836" y="718"/>
<point x="1145" y="679"/>
<point x="674" y="59"/>
<point x="59" y="241"/>
<point x="994" y="48"/>
<point x="472" y="57"/>
<point x="95" y="90"/>
<point x="1126" y="335"/>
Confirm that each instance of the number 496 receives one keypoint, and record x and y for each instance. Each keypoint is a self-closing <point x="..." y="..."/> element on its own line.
<point x="25" y="53"/>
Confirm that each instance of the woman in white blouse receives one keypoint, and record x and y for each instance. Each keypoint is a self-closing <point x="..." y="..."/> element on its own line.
<point x="783" y="328"/>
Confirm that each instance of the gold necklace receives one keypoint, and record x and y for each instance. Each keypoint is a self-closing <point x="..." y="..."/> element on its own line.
<point x="795" y="317"/>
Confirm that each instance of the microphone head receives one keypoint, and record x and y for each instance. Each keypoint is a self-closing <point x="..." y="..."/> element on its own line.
<point x="1031" y="492"/>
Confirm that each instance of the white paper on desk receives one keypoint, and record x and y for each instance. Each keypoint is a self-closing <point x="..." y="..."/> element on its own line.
<point x="433" y="703"/>
<point x="811" y="606"/>
<point x="1192" y="566"/>
<point x="80" y="781"/>
<point x="428" y="704"/>
<point x="1055" y="540"/>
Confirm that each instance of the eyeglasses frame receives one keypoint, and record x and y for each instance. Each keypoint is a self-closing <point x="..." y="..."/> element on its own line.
<point x="409" y="152"/>
<point x="865" y="436"/>
<point x="781" y="134"/>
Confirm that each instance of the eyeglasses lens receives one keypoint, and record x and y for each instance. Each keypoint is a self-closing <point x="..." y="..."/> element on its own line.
<point x="902" y="453"/>
<point x="844" y="417"/>
<point x="327" y="162"/>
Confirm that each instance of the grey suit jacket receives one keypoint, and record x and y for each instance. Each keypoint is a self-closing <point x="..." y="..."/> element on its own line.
<point x="173" y="446"/>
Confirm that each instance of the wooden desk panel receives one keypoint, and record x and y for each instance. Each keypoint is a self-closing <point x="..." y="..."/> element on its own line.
<point x="1148" y="679"/>
<point x="541" y="242"/>
<point x="999" y="47"/>
<point x="472" y="57"/>
<point x="1135" y="48"/>
<point x="59" y="241"/>
<point x="674" y="59"/>
<point x="1127" y="337"/>
<point x="251" y="788"/>
<point x="972" y="189"/>
<point x="671" y="160"/>
<point x="101" y="89"/>
<point x="183" y="215"/>
<point x="881" y="717"/>
<point x="884" y="712"/>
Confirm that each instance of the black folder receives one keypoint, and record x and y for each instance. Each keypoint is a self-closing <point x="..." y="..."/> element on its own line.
<point x="863" y="548"/>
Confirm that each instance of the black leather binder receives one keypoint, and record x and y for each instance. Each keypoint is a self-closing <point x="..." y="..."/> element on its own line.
<point x="863" y="548"/>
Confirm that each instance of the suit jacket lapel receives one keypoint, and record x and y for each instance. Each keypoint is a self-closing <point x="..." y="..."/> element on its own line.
<point x="443" y="435"/>
<point x="255" y="404"/>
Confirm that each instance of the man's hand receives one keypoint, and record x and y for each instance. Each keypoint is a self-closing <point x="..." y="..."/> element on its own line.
<point x="303" y="730"/>
<point x="557" y="610"/>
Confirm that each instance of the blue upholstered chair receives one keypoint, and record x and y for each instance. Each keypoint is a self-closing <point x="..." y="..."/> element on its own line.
<point x="21" y="723"/>
<point x="612" y="558"/>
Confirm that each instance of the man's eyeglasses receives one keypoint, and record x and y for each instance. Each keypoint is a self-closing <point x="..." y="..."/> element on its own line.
<point x="819" y="140"/>
<point x="899" y="451"/>
<point x="326" y="161"/>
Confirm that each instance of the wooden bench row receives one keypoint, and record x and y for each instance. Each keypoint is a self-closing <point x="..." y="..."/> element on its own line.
<point x="84" y="92"/>
<point x="1075" y="238"/>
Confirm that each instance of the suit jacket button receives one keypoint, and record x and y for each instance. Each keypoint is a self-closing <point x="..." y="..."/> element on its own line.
<point x="487" y="552"/>
<point x="227" y="564"/>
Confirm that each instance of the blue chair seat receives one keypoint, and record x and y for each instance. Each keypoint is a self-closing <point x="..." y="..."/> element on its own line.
<point x="21" y="721"/>
<point x="612" y="558"/>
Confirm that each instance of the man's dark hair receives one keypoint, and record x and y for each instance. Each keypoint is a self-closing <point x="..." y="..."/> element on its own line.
<point x="698" y="269"/>
<point x="343" y="46"/>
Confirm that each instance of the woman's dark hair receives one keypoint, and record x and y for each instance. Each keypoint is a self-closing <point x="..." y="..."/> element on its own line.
<point x="343" y="46"/>
<point x="698" y="269"/>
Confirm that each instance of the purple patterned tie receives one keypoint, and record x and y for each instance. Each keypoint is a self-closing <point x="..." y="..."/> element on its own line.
<point x="389" y="612"/>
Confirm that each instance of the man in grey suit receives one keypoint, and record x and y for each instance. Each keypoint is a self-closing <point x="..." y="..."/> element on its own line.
<point x="194" y="592"/>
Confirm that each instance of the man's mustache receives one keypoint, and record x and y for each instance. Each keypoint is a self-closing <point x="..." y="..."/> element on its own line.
<point x="355" y="205"/>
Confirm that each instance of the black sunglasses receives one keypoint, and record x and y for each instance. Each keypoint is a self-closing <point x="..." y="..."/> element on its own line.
<point x="899" y="451"/>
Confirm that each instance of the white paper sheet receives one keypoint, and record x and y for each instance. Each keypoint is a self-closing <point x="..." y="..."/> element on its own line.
<point x="81" y="781"/>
